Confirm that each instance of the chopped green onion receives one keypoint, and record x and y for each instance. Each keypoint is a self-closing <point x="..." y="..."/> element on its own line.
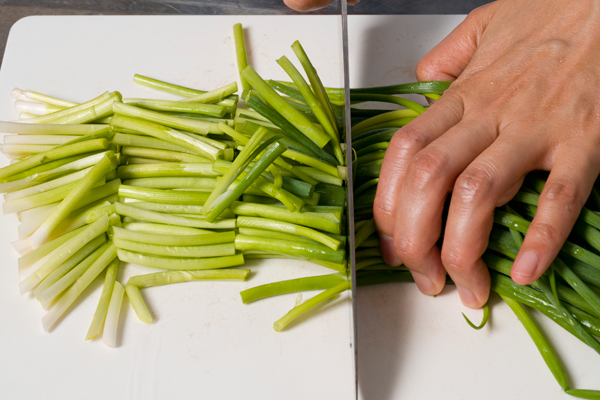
<point x="180" y="264"/>
<point x="109" y="335"/>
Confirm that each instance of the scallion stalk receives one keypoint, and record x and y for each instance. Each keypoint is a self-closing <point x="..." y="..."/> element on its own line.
<point x="212" y="110"/>
<point x="292" y="115"/>
<point x="180" y="264"/>
<point x="165" y="133"/>
<point x="174" y="240"/>
<point x="109" y="335"/>
<point x="328" y="294"/>
<point x="71" y="200"/>
<point x="286" y="227"/>
<point x="69" y="297"/>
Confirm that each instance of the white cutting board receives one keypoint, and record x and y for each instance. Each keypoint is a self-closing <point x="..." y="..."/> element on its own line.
<point x="205" y="342"/>
<point x="420" y="348"/>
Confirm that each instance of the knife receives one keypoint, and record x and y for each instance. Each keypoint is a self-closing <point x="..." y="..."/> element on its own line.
<point x="349" y="187"/>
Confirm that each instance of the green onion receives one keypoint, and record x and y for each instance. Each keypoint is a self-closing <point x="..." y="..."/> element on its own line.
<point x="293" y="116"/>
<point x="319" y="110"/>
<point x="288" y="129"/>
<point x="540" y="342"/>
<point x="54" y="154"/>
<point x="63" y="252"/>
<point x="486" y="316"/>
<point x="280" y="226"/>
<point x="103" y="304"/>
<point x="240" y="52"/>
<point x="174" y="240"/>
<point x="328" y="294"/>
<point x="224" y="200"/>
<point x="152" y="216"/>
<point x="304" y="250"/>
<point x="163" y="196"/>
<point x="123" y="139"/>
<point x="185" y="124"/>
<point x="92" y="110"/>
<point x="214" y="250"/>
<point x="71" y="200"/>
<point x="212" y="110"/>
<point x="321" y="282"/>
<point x="201" y="184"/>
<point x="238" y="165"/>
<point x="180" y="264"/>
<point x="170" y="277"/>
<point x="166" y="170"/>
<point x="164" y="133"/>
<point x="69" y="297"/>
<point x="163" y="229"/>
<point x="52" y="129"/>
<point x="109" y="335"/>
<point x="328" y="222"/>
<point x="217" y="95"/>
<point x="315" y="81"/>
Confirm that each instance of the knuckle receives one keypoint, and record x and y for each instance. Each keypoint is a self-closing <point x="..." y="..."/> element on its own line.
<point x="479" y="15"/>
<point x="406" y="139"/>
<point x="457" y="260"/>
<point x="563" y="192"/>
<point x="407" y="248"/>
<point x="426" y="67"/>
<point x="427" y="166"/>
<point x="383" y="210"/>
<point x="473" y="183"/>
<point x="554" y="47"/>
<point x="544" y="231"/>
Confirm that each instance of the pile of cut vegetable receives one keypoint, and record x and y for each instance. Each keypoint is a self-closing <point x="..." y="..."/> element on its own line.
<point x="197" y="186"/>
<point x="190" y="187"/>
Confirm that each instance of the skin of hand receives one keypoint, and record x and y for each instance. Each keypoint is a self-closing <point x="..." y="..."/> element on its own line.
<point x="311" y="5"/>
<point x="524" y="97"/>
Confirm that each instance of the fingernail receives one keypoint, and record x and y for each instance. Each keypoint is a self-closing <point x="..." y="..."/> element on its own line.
<point x="424" y="284"/>
<point x="526" y="264"/>
<point x="467" y="297"/>
<point x="388" y="252"/>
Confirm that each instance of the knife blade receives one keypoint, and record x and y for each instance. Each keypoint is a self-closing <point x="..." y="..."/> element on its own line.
<point x="349" y="186"/>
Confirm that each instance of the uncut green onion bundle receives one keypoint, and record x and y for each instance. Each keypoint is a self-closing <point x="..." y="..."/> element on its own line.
<point x="568" y="292"/>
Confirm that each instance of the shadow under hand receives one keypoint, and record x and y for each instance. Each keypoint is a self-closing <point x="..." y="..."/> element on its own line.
<point x="381" y="314"/>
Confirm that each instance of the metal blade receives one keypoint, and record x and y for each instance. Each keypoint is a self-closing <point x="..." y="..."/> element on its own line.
<point x="350" y="185"/>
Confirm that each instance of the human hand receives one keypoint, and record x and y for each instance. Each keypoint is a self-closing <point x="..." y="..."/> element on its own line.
<point x="311" y="5"/>
<point x="525" y="97"/>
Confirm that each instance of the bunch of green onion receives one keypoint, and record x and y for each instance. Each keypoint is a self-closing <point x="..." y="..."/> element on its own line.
<point x="568" y="293"/>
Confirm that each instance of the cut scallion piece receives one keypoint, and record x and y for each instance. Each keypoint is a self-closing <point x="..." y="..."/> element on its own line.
<point x="280" y="226"/>
<point x="180" y="264"/>
<point x="328" y="294"/>
<point x="109" y="335"/>
<point x="69" y="297"/>
<point x="151" y="127"/>
<point x="292" y="115"/>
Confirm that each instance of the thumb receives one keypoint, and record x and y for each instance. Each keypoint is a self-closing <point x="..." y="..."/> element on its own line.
<point x="447" y="60"/>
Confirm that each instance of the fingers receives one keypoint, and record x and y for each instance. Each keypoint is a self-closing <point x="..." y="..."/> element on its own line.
<point x="488" y="180"/>
<point x="306" y="5"/>
<point x="566" y="191"/>
<point x="407" y="142"/>
<point x="429" y="178"/>
<point x="447" y="60"/>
